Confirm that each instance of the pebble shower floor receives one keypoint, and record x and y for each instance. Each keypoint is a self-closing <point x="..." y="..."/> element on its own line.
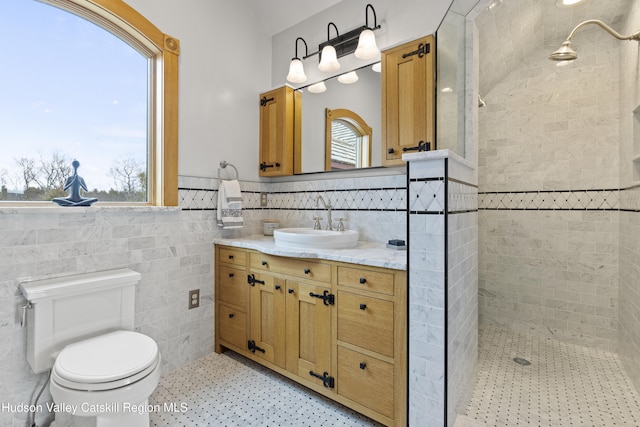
<point x="227" y="390"/>
<point x="565" y="385"/>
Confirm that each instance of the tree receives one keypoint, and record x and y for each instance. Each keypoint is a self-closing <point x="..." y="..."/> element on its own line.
<point x="28" y="174"/>
<point x="129" y="177"/>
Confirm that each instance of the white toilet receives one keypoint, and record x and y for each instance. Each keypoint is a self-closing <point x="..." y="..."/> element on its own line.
<point x="81" y="327"/>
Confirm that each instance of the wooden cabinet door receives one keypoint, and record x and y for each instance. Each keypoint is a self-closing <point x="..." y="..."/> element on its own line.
<point x="277" y="127"/>
<point x="309" y="332"/>
<point x="266" y="332"/>
<point x="408" y="117"/>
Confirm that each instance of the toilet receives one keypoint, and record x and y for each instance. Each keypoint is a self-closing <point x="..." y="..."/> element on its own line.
<point x="81" y="328"/>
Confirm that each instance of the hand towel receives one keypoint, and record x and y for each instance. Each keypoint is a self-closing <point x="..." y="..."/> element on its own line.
<point x="230" y="205"/>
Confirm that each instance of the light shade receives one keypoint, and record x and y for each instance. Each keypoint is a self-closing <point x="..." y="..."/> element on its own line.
<point x="377" y="67"/>
<point x="348" y="78"/>
<point x="367" y="47"/>
<point x="296" y="72"/>
<point x="317" y="88"/>
<point x="329" y="61"/>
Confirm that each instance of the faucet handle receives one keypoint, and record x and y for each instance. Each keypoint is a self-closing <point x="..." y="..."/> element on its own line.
<point x="316" y="224"/>
<point x="340" y="224"/>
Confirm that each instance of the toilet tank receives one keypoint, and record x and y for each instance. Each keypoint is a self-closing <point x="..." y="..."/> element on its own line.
<point x="72" y="308"/>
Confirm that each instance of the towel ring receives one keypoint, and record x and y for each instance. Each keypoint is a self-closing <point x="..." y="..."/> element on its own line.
<point x="223" y="165"/>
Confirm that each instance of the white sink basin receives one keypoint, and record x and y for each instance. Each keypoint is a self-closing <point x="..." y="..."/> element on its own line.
<point x="308" y="238"/>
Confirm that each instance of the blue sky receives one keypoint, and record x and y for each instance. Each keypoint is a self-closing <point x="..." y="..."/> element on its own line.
<point x="70" y="86"/>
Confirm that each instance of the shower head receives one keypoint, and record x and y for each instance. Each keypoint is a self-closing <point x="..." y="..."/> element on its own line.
<point x="566" y="53"/>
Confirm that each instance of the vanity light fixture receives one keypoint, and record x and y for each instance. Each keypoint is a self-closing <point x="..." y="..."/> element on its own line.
<point x="377" y="67"/>
<point x="296" y="68"/>
<point x="348" y="78"/>
<point x="329" y="56"/>
<point x="367" y="47"/>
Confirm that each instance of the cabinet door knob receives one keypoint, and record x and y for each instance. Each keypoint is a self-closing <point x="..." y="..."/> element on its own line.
<point x="390" y="151"/>
<point x="307" y="271"/>
<point x="363" y="306"/>
<point x="277" y="287"/>
<point x="230" y="256"/>
<point x="231" y="315"/>
<point x="264" y="262"/>
<point x="363" y="280"/>
<point x="290" y="290"/>
<point x="363" y="365"/>
<point x="231" y="274"/>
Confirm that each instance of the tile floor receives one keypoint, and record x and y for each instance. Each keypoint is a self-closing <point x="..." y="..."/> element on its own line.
<point x="565" y="385"/>
<point x="229" y="390"/>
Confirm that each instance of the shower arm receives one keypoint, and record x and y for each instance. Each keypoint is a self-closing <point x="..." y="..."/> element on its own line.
<point x="635" y="36"/>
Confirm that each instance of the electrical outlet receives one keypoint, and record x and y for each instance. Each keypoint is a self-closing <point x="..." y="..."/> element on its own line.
<point x="194" y="299"/>
<point x="263" y="199"/>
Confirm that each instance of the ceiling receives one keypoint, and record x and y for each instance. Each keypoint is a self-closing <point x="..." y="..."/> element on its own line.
<point x="278" y="15"/>
<point x="511" y="30"/>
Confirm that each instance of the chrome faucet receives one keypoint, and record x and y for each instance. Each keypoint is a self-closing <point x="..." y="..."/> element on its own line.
<point x="328" y="208"/>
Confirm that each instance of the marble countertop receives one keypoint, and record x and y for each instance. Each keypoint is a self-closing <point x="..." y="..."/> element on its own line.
<point x="366" y="253"/>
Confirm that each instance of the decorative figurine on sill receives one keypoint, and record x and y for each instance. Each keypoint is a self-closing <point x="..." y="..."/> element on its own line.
<point x="75" y="182"/>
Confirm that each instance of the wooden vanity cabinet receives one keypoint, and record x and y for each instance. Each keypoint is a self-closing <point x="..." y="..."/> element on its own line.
<point x="408" y="99"/>
<point x="337" y="328"/>
<point x="279" y="155"/>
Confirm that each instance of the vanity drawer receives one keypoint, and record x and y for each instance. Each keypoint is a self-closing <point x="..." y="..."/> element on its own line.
<point x="301" y="268"/>
<point x="365" y="322"/>
<point x="232" y="256"/>
<point x="233" y="326"/>
<point x="363" y="279"/>
<point x="366" y="380"/>
<point x="232" y="286"/>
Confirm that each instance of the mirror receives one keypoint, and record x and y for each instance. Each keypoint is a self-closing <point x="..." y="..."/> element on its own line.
<point x="362" y="98"/>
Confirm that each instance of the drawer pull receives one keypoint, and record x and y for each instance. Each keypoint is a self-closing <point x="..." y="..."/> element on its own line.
<point x="307" y="271"/>
<point x="231" y="274"/>
<point x="230" y="256"/>
<point x="231" y="315"/>
<point x="363" y="365"/>
<point x="277" y="287"/>
<point x="264" y="262"/>
<point x="363" y="280"/>
<point x="363" y="306"/>
<point x="290" y="290"/>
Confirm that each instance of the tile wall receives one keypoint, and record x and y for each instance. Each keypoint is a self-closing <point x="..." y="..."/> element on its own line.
<point x="549" y="198"/>
<point x="443" y="325"/>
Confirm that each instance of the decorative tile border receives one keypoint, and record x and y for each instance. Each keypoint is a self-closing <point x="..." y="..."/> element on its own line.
<point x="605" y="199"/>
<point x="427" y="196"/>
<point x="359" y="199"/>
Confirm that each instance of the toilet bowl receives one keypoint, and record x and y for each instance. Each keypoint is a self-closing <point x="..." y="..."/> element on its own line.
<point x="81" y="328"/>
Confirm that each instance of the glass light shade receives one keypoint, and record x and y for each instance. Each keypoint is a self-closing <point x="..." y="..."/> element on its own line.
<point x="348" y="78"/>
<point x="296" y="72"/>
<point x="329" y="61"/>
<point x="377" y="67"/>
<point x="367" y="47"/>
<point x="317" y="88"/>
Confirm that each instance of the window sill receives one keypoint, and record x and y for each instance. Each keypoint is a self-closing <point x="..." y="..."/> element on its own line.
<point x="4" y="210"/>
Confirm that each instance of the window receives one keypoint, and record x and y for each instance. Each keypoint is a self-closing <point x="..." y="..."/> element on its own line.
<point x="100" y="91"/>
<point x="347" y="140"/>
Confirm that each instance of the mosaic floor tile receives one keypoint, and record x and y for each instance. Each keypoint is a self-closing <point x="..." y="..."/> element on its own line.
<point x="564" y="385"/>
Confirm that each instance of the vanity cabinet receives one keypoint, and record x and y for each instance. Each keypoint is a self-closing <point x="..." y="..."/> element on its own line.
<point x="408" y="99"/>
<point x="337" y="328"/>
<point x="278" y="154"/>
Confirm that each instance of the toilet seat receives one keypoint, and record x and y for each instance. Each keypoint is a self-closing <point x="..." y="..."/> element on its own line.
<point x="106" y="362"/>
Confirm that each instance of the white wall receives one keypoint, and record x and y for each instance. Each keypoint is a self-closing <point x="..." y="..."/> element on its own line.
<point x="224" y="64"/>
